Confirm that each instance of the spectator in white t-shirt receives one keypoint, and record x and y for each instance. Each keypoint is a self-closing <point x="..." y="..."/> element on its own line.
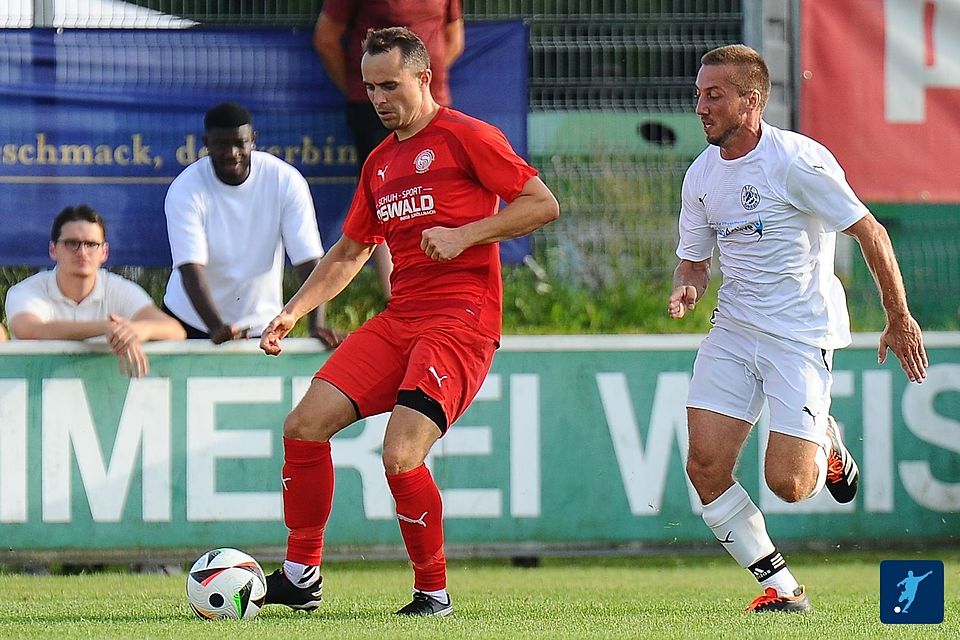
<point x="78" y="299"/>
<point x="230" y="217"/>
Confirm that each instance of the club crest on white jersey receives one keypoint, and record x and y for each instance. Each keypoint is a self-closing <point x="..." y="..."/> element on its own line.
<point x="749" y="197"/>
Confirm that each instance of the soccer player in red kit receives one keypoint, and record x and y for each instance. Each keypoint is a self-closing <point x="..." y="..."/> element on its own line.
<point x="431" y="191"/>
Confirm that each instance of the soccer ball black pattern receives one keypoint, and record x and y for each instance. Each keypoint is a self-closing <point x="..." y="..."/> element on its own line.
<point x="226" y="583"/>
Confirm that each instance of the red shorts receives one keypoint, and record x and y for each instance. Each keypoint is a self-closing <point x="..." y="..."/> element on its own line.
<point x="444" y="357"/>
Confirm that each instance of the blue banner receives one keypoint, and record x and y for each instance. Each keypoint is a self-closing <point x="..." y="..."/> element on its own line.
<point x="110" y="117"/>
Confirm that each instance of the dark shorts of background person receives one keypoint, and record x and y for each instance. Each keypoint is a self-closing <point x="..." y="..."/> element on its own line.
<point x="192" y="332"/>
<point x="435" y="367"/>
<point x="366" y="128"/>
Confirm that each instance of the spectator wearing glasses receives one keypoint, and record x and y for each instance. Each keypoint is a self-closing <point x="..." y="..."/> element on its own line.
<point x="79" y="300"/>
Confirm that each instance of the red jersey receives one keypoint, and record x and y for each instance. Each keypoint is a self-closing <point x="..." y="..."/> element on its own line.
<point x="426" y="18"/>
<point x="452" y="172"/>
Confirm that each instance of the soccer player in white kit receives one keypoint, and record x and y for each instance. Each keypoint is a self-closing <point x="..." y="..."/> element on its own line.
<point x="772" y="202"/>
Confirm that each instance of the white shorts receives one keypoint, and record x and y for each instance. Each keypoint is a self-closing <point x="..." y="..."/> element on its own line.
<point x="738" y="368"/>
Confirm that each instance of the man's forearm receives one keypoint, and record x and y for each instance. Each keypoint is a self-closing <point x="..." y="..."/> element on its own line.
<point x="881" y="260"/>
<point x="198" y="291"/>
<point x="60" y="330"/>
<point x="693" y="274"/>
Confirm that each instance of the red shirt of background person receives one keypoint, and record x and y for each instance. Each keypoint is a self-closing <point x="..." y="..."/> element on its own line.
<point x="338" y="39"/>
<point x="439" y="23"/>
<point x="431" y="190"/>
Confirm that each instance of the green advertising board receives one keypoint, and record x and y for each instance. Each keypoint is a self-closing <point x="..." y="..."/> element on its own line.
<point x="572" y="441"/>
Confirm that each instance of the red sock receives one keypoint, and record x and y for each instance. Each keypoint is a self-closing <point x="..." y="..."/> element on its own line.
<point x="307" y="497"/>
<point x="420" y="513"/>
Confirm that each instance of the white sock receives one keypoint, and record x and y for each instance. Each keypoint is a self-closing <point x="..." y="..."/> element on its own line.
<point x="783" y="581"/>
<point x="736" y="520"/>
<point x="738" y="524"/>
<point x="440" y="596"/>
<point x="301" y="575"/>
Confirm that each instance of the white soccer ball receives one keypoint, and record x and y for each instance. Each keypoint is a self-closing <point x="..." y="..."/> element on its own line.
<point x="226" y="583"/>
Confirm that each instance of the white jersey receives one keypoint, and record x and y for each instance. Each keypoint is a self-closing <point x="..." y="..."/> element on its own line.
<point x="40" y="295"/>
<point x="773" y="214"/>
<point x="239" y="233"/>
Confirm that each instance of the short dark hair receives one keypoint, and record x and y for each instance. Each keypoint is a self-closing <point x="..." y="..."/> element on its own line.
<point x="751" y="73"/>
<point x="412" y="50"/>
<point x="227" y="115"/>
<point x="79" y="213"/>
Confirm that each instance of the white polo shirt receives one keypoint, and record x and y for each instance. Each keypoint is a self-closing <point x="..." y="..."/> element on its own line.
<point x="239" y="233"/>
<point x="41" y="296"/>
<point x="773" y="214"/>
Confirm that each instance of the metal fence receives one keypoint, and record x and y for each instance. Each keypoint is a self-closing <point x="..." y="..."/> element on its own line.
<point x="611" y="101"/>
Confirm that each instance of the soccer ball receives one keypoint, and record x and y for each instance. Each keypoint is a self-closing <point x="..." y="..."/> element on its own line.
<point x="226" y="583"/>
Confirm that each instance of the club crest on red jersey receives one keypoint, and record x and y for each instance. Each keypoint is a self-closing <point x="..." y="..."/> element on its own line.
<point x="424" y="160"/>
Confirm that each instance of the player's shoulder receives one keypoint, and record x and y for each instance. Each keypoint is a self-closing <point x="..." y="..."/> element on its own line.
<point x="794" y="149"/>
<point x="791" y="144"/>
<point x="461" y="123"/>
<point x="702" y="163"/>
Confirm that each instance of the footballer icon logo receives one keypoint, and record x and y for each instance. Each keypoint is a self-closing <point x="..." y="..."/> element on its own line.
<point x="424" y="160"/>
<point x="382" y="172"/>
<point x="911" y="591"/>
<point x="749" y="197"/>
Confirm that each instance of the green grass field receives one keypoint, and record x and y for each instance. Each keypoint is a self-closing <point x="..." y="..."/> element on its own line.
<point x="649" y="597"/>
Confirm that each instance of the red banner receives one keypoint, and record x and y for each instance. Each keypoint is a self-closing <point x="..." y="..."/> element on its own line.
<point x="881" y="89"/>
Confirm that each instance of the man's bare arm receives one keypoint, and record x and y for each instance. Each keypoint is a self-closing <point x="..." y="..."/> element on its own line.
<point x="902" y="333"/>
<point x="327" y="42"/>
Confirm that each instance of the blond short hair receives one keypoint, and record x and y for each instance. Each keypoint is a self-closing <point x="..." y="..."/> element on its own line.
<point x="750" y="72"/>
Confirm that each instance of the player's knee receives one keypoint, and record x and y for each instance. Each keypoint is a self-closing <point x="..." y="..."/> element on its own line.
<point x="695" y="470"/>
<point x="703" y="471"/>
<point x="789" y="487"/>
<point x="300" y="426"/>
<point x="398" y="459"/>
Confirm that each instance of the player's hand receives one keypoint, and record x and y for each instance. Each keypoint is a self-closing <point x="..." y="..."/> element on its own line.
<point x="683" y="297"/>
<point x="330" y="338"/>
<point x="442" y="243"/>
<point x="906" y="341"/>
<point x="276" y="331"/>
<point x="133" y="361"/>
